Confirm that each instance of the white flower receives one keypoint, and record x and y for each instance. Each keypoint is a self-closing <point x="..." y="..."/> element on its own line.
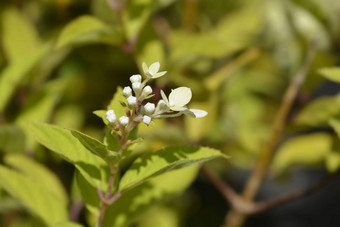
<point x="136" y="86"/>
<point x="195" y="113"/>
<point x="178" y="98"/>
<point x="127" y="91"/>
<point x="124" y="120"/>
<point x="146" y="119"/>
<point x="147" y="90"/>
<point x="149" y="108"/>
<point x="111" y="116"/>
<point x="132" y="100"/>
<point x="136" y="78"/>
<point x="152" y="71"/>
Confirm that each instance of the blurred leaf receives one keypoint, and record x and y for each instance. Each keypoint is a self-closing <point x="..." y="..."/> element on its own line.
<point x="332" y="74"/>
<point x="97" y="148"/>
<point x="62" y="142"/>
<point x="19" y="37"/>
<point x="12" y="139"/>
<point x="67" y="224"/>
<point x="89" y="194"/>
<point x="333" y="161"/>
<point x="197" y="128"/>
<point x="39" y="107"/>
<point x="305" y="149"/>
<point x="14" y="73"/>
<point x="135" y="15"/>
<point x="160" y="216"/>
<point x="38" y="172"/>
<point x="139" y="199"/>
<point x="87" y="29"/>
<point x="164" y="160"/>
<point x="335" y="123"/>
<point x="34" y="196"/>
<point x="233" y="33"/>
<point x="319" y="111"/>
<point x="149" y="48"/>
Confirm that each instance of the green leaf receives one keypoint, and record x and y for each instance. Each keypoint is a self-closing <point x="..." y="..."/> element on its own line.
<point x="97" y="147"/>
<point x="138" y="200"/>
<point x="135" y="15"/>
<point x="164" y="160"/>
<point x="39" y="173"/>
<point x="34" y="196"/>
<point x="14" y="73"/>
<point x="12" y="139"/>
<point x="319" y="111"/>
<point x="87" y="29"/>
<point x="39" y="106"/>
<point x="332" y="73"/>
<point x="335" y="123"/>
<point x="67" y="224"/>
<point x="115" y="104"/>
<point x="62" y="142"/>
<point x="19" y="37"/>
<point x="333" y="161"/>
<point x="308" y="149"/>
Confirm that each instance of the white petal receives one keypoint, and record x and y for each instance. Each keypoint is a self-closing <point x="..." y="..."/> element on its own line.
<point x="157" y="75"/>
<point x="145" y="67"/>
<point x="196" y="113"/>
<point x="164" y="98"/>
<point x="180" y="96"/>
<point x="154" y="67"/>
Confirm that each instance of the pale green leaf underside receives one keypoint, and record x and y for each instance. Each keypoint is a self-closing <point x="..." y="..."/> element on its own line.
<point x="62" y="142"/>
<point x="161" y="161"/>
<point x="138" y="200"/>
<point x="34" y="196"/>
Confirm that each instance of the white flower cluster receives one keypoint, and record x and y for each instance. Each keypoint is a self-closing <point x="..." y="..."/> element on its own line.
<point x="173" y="106"/>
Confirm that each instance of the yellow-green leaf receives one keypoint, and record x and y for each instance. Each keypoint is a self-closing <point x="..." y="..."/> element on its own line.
<point x="332" y="73"/>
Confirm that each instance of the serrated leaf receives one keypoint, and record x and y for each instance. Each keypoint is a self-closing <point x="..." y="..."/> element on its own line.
<point x="97" y="147"/>
<point x="332" y="73"/>
<point x="62" y="142"/>
<point x="87" y="29"/>
<point x="19" y="37"/>
<point x="39" y="173"/>
<point x="138" y="200"/>
<point x="35" y="197"/>
<point x="308" y="149"/>
<point x="164" y="160"/>
<point x="12" y="139"/>
<point x="319" y="111"/>
<point x="13" y="74"/>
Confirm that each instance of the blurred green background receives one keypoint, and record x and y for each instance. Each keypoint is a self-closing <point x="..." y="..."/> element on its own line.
<point x="60" y="60"/>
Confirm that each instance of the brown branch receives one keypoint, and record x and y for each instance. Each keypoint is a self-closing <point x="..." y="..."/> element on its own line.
<point x="229" y="194"/>
<point x="272" y="203"/>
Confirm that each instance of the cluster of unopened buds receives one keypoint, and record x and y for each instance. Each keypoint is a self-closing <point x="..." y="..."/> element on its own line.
<point x="172" y="106"/>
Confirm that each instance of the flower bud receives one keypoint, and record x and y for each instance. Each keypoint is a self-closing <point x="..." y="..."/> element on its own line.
<point x="161" y="105"/>
<point x="149" y="108"/>
<point x="147" y="91"/>
<point x="124" y="120"/>
<point x="136" y="86"/>
<point x="127" y="91"/>
<point x="136" y="78"/>
<point x="132" y="101"/>
<point x="146" y="119"/>
<point x="111" y="116"/>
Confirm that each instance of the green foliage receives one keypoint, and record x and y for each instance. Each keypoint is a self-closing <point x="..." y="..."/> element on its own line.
<point x="85" y="30"/>
<point x="158" y="162"/>
<point x="136" y="201"/>
<point x="62" y="142"/>
<point x="35" y="196"/>
<point x="12" y="139"/>
<point x="308" y="149"/>
<point x="332" y="74"/>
